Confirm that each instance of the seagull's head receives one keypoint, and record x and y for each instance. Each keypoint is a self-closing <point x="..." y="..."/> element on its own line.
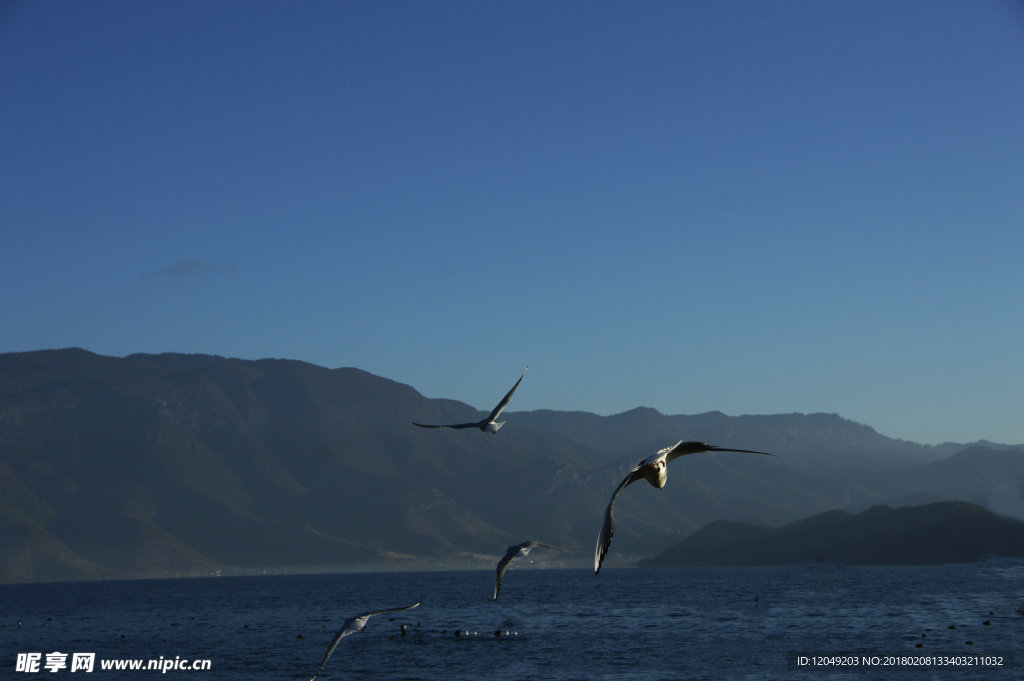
<point x="657" y="473"/>
<point x="493" y="427"/>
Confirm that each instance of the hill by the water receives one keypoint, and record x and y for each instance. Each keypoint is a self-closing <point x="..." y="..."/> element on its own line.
<point x="943" y="532"/>
<point x="158" y="465"/>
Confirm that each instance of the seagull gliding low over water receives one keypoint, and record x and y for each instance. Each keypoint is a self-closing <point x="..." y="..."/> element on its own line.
<point x="653" y="469"/>
<point x="514" y="552"/>
<point x="351" y="626"/>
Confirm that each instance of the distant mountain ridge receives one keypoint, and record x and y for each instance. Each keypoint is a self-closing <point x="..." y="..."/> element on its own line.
<point x="803" y="435"/>
<point x="943" y="532"/>
<point x="153" y="465"/>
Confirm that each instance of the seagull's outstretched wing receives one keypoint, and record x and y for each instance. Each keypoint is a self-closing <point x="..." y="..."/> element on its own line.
<point x="351" y="626"/>
<point x="505" y="400"/>
<point x="513" y="551"/>
<point x="539" y="545"/>
<point x="604" y="539"/>
<point x="451" y="425"/>
<point x="682" y="448"/>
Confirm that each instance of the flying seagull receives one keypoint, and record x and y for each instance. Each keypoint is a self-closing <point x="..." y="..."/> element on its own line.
<point x="654" y="470"/>
<point x="489" y="424"/>
<point x="514" y="552"/>
<point x="353" y="625"/>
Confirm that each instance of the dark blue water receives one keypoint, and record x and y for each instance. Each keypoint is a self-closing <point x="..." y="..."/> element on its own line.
<point x="694" y="623"/>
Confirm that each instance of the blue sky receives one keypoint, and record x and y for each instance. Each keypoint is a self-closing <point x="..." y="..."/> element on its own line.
<point x="747" y="206"/>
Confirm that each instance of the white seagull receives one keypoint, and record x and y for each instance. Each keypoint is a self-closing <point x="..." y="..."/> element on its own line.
<point x="489" y="424"/>
<point x="654" y="470"/>
<point x="353" y="625"/>
<point x="514" y="552"/>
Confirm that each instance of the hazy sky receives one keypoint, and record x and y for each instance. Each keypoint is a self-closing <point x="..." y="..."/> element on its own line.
<point x="754" y="206"/>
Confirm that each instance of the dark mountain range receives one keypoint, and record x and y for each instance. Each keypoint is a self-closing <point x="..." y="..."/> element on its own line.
<point x="944" y="532"/>
<point x="820" y="444"/>
<point x="989" y="475"/>
<point x="153" y="465"/>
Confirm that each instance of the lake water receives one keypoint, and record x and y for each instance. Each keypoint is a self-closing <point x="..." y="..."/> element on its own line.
<point x="952" y="622"/>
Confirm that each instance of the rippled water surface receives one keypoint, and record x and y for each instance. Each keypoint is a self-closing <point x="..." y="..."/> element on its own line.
<point x="692" y="623"/>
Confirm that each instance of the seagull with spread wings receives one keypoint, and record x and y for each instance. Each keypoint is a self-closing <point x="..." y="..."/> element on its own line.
<point x="654" y="470"/>
<point x="489" y="424"/>
<point x="351" y="626"/>
<point x="514" y="552"/>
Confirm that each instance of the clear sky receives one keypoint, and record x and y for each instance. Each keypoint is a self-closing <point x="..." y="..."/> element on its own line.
<point x="749" y="206"/>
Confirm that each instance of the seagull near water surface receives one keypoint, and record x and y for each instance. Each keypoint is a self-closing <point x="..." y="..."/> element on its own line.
<point x="353" y="625"/>
<point x="489" y="424"/>
<point x="515" y="552"/>
<point x="653" y="469"/>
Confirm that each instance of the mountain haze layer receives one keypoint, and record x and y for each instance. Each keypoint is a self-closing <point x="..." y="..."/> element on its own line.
<point x="154" y="465"/>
